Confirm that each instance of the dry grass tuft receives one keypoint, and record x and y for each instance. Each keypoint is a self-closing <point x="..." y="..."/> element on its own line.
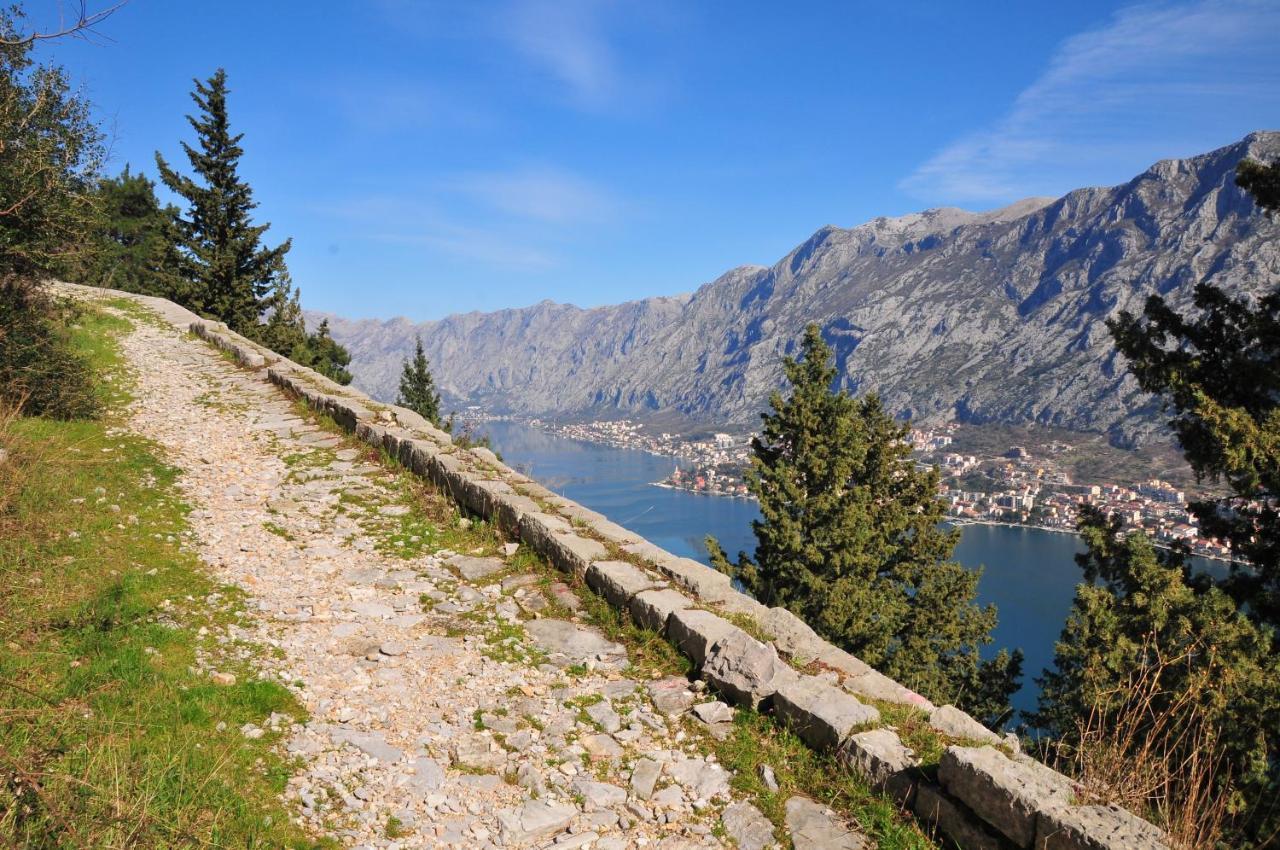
<point x="1156" y="752"/>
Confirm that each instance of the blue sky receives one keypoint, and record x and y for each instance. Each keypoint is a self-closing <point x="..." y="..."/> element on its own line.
<point x="430" y="157"/>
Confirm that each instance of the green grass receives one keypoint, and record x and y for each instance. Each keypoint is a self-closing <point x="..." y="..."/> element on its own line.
<point x="109" y="737"/>
<point x="757" y="740"/>
<point x="278" y="531"/>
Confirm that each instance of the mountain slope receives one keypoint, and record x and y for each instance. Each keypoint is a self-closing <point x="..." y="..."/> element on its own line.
<point x="981" y="317"/>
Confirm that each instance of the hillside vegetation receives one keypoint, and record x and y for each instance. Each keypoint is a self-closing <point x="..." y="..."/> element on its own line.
<point x="112" y="733"/>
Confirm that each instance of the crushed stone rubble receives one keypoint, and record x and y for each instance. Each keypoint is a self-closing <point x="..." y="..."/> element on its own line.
<point x="454" y="702"/>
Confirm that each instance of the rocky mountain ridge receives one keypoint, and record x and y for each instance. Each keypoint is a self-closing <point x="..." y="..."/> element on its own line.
<point x="949" y="314"/>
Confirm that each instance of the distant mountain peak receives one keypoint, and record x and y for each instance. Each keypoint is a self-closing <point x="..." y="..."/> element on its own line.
<point x="994" y="316"/>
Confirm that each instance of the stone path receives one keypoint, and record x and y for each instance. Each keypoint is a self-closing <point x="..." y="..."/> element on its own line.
<point x="442" y="715"/>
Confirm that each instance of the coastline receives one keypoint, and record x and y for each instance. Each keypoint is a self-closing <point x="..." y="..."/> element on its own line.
<point x="962" y="521"/>
<point x="665" y="486"/>
<point x="955" y="521"/>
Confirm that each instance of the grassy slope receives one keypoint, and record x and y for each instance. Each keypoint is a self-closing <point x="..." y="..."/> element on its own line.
<point x="109" y="737"/>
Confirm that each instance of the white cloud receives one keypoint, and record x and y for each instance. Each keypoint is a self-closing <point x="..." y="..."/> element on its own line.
<point x="396" y="220"/>
<point x="567" y="39"/>
<point x="493" y="249"/>
<point x="545" y="195"/>
<point x="387" y="106"/>
<point x="1155" y="80"/>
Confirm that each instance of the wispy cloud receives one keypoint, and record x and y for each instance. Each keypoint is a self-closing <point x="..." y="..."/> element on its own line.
<point x="568" y="40"/>
<point x="545" y="195"/>
<point x="473" y="244"/>
<point x="1154" y="79"/>
<point x="394" y="220"/>
<point x="382" y="105"/>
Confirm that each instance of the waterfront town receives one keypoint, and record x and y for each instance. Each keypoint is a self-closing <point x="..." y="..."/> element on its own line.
<point x="1016" y="488"/>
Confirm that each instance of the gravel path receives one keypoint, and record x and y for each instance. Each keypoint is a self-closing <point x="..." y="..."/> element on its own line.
<point x="442" y="715"/>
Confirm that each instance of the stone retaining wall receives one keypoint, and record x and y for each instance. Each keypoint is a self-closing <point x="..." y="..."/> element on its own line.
<point x="980" y="795"/>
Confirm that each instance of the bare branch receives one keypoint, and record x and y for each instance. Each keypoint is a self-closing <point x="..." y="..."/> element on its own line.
<point x="81" y="27"/>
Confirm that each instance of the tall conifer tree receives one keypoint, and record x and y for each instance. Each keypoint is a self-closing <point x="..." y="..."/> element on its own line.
<point x="418" y="388"/>
<point x="850" y="540"/>
<point x="231" y="271"/>
<point x="1219" y="373"/>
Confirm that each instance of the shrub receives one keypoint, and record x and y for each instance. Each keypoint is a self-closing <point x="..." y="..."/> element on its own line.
<point x="41" y="374"/>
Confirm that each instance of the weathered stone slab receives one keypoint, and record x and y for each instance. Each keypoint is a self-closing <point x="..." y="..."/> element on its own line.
<point x="735" y="603"/>
<point x="1097" y="828"/>
<point x="745" y="670"/>
<point x="473" y="569"/>
<point x="876" y="685"/>
<point x="535" y="821"/>
<point x="369" y="743"/>
<point x="644" y="776"/>
<point x="407" y="418"/>
<point x="702" y="779"/>
<point x="603" y="715"/>
<point x="707" y="584"/>
<point x="613" y="532"/>
<point x="478" y="752"/>
<point x="932" y="805"/>
<point x="651" y="552"/>
<point x="1005" y="793"/>
<point x="487" y="456"/>
<point x="671" y="696"/>
<point x="820" y="713"/>
<point x="574" y="554"/>
<point x="950" y="720"/>
<point x="791" y="635"/>
<point x="617" y="581"/>
<point x="747" y="826"/>
<point x="651" y="608"/>
<point x="427" y="775"/>
<point x="600" y="795"/>
<point x="510" y="508"/>
<point x="419" y="453"/>
<point x="815" y="827"/>
<point x="567" y="643"/>
<point x="563" y="595"/>
<point x="693" y="631"/>
<point x="713" y="712"/>
<point x="880" y="757"/>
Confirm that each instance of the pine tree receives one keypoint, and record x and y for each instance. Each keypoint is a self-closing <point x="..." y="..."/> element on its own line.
<point x="1261" y="181"/>
<point x="1219" y="372"/>
<point x="284" y="330"/>
<point x="418" y="388"/>
<point x="132" y="241"/>
<point x="326" y="356"/>
<point x="231" y="272"/>
<point x="850" y="539"/>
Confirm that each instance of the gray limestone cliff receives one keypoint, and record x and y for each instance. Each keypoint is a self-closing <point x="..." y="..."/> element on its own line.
<point x="980" y="317"/>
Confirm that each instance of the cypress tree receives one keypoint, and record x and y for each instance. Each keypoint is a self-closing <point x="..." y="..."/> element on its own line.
<point x="418" y="388"/>
<point x="231" y="272"/>
<point x="850" y="539"/>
